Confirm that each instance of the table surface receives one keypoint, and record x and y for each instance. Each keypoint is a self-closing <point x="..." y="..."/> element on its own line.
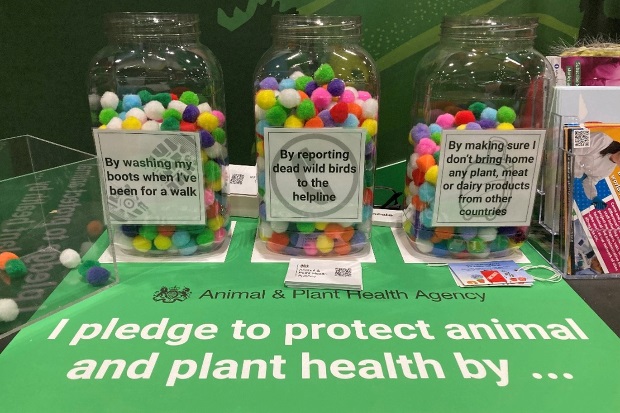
<point x="413" y="341"/>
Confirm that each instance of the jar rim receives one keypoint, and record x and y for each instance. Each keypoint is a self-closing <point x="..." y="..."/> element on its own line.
<point x="315" y="26"/>
<point x="489" y="27"/>
<point x="148" y="24"/>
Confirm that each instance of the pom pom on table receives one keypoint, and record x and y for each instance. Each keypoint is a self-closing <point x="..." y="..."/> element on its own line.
<point x="97" y="276"/>
<point x="314" y="122"/>
<point x="5" y="257"/>
<point x="15" y="268"/>
<point x="324" y="74"/>
<point x="8" y="309"/>
<point x="70" y="258"/>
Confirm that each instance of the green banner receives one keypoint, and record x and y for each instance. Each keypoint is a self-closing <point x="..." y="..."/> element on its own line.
<point x="230" y="337"/>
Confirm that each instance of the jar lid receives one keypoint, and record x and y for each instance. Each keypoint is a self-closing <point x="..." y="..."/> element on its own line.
<point x="300" y="27"/>
<point x="151" y="24"/>
<point x="489" y="27"/>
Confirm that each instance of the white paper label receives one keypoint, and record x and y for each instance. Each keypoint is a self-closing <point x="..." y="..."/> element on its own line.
<point x="314" y="175"/>
<point x="487" y="177"/>
<point x="151" y="178"/>
<point x="308" y="273"/>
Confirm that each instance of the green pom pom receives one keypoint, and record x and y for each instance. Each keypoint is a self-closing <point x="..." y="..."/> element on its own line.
<point x="306" y="110"/>
<point x="324" y="74"/>
<point x="206" y="237"/>
<point x="368" y="137"/>
<point x="145" y="96"/>
<point x="276" y="116"/>
<point x="106" y="115"/>
<point x="305" y="227"/>
<point x="436" y="156"/>
<point x="86" y="265"/>
<point x="15" y="268"/>
<point x="212" y="171"/>
<point x="368" y="178"/>
<point x="506" y="114"/>
<point x="163" y="98"/>
<point x="436" y="137"/>
<point x="119" y="107"/>
<point x="172" y="113"/>
<point x="194" y="229"/>
<point x="301" y="82"/>
<point x="261" y="192"/>
<point x="170" y="124"/>
<point x="477" y="108"/>
<point x="219" y="135"/>
<point x="148" y="231"/>
<point x="189" y="98"/>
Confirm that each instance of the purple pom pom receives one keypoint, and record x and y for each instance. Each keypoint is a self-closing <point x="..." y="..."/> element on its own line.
<point x="473" y="126"/>
<point x="269" y="83"/>
<point x="420" y="131"/>
<point x="310" y="87"/>
<point x="487" y="123"/>
<point x="326" y="117"/>
<point x="97" y="276"/>
<point x="358" y="238"/>
<point x="206" y="139"/>
<point x="335" y="87"/>
<point x="190" y="114"/>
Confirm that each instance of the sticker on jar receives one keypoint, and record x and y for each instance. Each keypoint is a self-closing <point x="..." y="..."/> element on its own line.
<point x="152" y="178"/>
<point x="487" y="177"/>
<point x="314" y="175"/>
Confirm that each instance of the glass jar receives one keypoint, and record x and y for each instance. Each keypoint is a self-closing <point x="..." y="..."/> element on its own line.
<point x="317" y="83"/>
<point x="484" y="74"/>
<point x="155" y="75"/>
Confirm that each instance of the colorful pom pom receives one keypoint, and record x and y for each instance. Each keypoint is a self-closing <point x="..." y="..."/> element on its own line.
<point x="506" y="114"/>
<point x="464" y="117"/>
<point x="324" y="74"/>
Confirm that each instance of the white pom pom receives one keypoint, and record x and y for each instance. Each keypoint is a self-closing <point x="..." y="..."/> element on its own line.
<point x="70" y="258"/>
<point x="154" y="110"/>
<point x="359" y="102"/>
<point x="151" y="125"/>
<point x="289" y="98"/>
<point x="408" y="200"/>
<point x="354" y="90"/>
<point x="279" y="226"/>
<point x="204" y="107"/>
<point x="115" y="123"/>
<point x="217" y="150"/>
<point x="260" y="163"/>
<point x="413" y="189"/>
<point x="93" y="101"/>
<point x="109" y="100"/>
<point x="8" y="309"/>
<point x="264" y="231"/>
<point x="370" y="108"/>
<point x="177" y="105"/>
<point x="413" y="160"/>
<point x="259" y="113"/>
<point x="423" y="245"/>
<point x="137" y="113"/>
<point x="296" y="75"/>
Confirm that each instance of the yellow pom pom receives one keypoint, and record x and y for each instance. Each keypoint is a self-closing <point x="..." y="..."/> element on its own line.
<point x="407" y="226"/>
<point x="141" y="244"/>
<point x="320" y="226"/>
<point x="204" y="155"/>
<point x="103" y="127"/>
<point x="410" y="139"/>
<point x="293" y="122"/>
<point x="132" y="123"/>
<point x="505" y="126"/>
<point x="431" y="175"/>
<point x="265" y="99"/>
<point x="215" y="223"/>
<point x="371" y="126"/>
<point x="260" y="149"/>
<point x="208" y="121"/>
<point x="324" y="244"/>
<point x="215" y="186"/>
<point x="162" y="242"/>
<point x="461" y="127"/>
<point x="406" y="191"/>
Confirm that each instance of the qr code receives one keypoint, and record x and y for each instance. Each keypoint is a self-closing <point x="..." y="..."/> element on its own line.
<point x="343" y="272"/>
<point x="581" y="139"/>
<point x="236" y="179"/>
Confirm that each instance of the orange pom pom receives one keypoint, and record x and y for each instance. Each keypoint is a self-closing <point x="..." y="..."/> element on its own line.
<point x="334" y="231"/>
<point x="94" y="228"/>
<point x="166" y="230"/>
<point x="314" y="122"/>
<point x="6" y="256"/>
<point x="342" y="247"/>
<point x="355" y="109"/>
<point x="424" y="162"/>
<point x="302" y="95"/>
<point x="417" y="203"/>
<point x="444" y="232"/>
<point x="347" y="234"/>
<point x="277" y="242"/>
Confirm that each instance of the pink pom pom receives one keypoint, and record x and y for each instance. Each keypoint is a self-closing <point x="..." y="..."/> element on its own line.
<point x="321" y="98"/>
<point x="446" y="121"/>
<point x="220" y="116"/>
<point x="209" y="197"/>
<point x="363" y="95"/>
<point x="347" y="97"/>
<point x="310" y="248"/>
<point x="426" y="146"/>
<point x="220" y="234"/>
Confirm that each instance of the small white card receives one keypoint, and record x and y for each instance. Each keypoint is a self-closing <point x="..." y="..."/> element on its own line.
<point x="340" y="275"/>
<point x="489" y="274"/>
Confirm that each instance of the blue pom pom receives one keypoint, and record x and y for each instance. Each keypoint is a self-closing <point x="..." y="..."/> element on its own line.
<point x="366" y="212"/>
<point x="122" y="115"/>
<point x="262" y="210"/>
<point x="489" y="113"/>
<point x="424" y="233"/>
<point x="359" y="238"/>
<point x="269" y="83"/>
<point x="260" y="179"/>
<point x="351" y="121"/>
<point x="97" y="276"/>
<point x="426" y="192"/>
<point x="180" y="238"/>
<point x="190" y="114"/>
<point x="467" y="233"/>
<point x="206" y="139"/>
<point x="426" y="217"/>
<point x="287" y="84"/>
<point x="131" y="101"/>
<point x="260" y="127"/>
<point x="189" y="248"/>
<point x="433" y="128"/>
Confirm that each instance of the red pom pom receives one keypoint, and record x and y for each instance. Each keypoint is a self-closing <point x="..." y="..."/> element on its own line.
<point x="188" y="126"/>
<point x="418" y="177"/>
<point x="174" y="97"/>
<point x="463" y="117"/>
<point x="339" y="112"/>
